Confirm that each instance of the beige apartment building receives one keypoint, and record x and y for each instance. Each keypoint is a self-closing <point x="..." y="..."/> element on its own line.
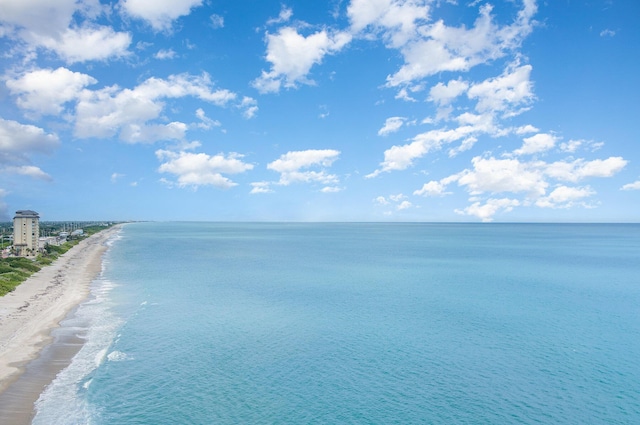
<point x="26" y="231"/>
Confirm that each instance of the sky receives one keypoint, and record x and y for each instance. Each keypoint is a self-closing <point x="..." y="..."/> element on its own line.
<point x="334" y="110"/>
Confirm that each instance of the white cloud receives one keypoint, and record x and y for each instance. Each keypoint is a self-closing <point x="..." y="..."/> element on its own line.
<point x="250" y="106"/>
<point x="19" y="140"/>
<point x="491" y="207"/>
<point x="580" y="169"/>
<point x="292" y="55"/>
<point x="526" y="129"/>
<point x="404" y="205"/>
<point x="217" y="21"/>
<point x="607" y="33"/>
<point x="564" y="197"/>
<point x="502" y="175"/>
<point x="291" y="166"/>
<point x="200" y="169"/>
<point x="444" y="94"/>
<point x="503" y="93"/>
<point x="45" y="91"/>
<point x="571" y="146"/>
<point x="466" y="145"/>
<point x="86" y="43"/>
<point x="397" y="20"/>
<point x="381" y="200"/>
<point x="27" y="170"/>
<point x="261" y="187"/>
<point x="331" y="189"/>
<point x="433" y="188"/>
<point x="438" y="47"/>
<point x="391" y="125"/>
<point x="116" y="176"/>
<point x="631" y="186"/>
<point x="528" y="181"/>
<point x="402" y="157"/>
<point x="284" y="16"/>
<point x="42" y="16"/>
<point x="541" y="142"/>
<point x="164" y="54"/>
<point x="126" y="112"/>
<point x="206" y="122"/>
<point x="160" y="14"/>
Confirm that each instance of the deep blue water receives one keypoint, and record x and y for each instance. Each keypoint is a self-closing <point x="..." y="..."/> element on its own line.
<point x="209" y="323"/>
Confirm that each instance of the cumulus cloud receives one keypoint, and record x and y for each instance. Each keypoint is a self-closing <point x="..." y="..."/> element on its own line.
<point x="486" y="211"/>
<point x="437" y="47"/>
<point x="42" y="23"/>
<point x="435" y="188"/>
<point x="18" y="142"/>
<point x="331" y="189"/>
<point x="27" y="170"/>
<point x="443" y="94"/>
<point x="45" y="91"/>
<point x="564" y="197"/>
<point x="127" y="112"/>
<point x="164" y="54"/>
<point x="285" y="14"/>
<point x="631" y="186"/>
<point x="398" y="202"/>
<point x="206" y="123"/>
<point x="200" y="169"/>
<point x="294" y="166"/>
<point x="541" y="142"/>
<point x="402" y="157"/>
<point x="261" y="187"/>
<point x="160" y="14"/>
<point x="292" y="55"/>
<point x="502" y="175"/>
<point x="580" y="169"/>
<point x="526" y="183"/>
<point x="391" y="125"/>
<point x="396" y="20"/>
<point x="504" y="93"/>
<point x="86" y="43"/>
<point x="217" y="21"/>
<point x="570" y="146"/>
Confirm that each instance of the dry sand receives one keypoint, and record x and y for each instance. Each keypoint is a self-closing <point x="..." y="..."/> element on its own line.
<point x="36" y="307"/>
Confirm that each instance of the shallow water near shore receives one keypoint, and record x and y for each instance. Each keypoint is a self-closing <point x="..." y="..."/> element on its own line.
<point x="359" y="323"/>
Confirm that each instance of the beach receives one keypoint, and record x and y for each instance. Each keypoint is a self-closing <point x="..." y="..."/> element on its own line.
<point x="30" y="313"/>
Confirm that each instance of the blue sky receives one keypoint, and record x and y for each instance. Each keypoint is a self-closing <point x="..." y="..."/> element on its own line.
<point x="339" y="110"/>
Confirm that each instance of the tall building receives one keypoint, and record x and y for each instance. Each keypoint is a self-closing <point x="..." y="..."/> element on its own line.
<point x="26" y="230"/>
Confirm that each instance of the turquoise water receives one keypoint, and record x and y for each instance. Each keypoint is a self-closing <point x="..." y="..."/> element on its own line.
<point x="203" y="323"/>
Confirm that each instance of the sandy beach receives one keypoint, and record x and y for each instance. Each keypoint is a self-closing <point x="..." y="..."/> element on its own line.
<point x="36" y="307"/>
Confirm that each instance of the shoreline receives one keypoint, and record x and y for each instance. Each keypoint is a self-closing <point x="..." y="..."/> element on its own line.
<point x="28" y="318"/>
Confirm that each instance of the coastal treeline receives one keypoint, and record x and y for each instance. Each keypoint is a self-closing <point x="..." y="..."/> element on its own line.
<point x="15" y="270"/>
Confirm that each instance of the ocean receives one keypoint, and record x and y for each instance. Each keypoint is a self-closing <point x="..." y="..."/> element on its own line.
<point x="358" y="323"/>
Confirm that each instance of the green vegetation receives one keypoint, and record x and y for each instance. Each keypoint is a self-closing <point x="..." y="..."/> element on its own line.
<point x="15" y="270"/>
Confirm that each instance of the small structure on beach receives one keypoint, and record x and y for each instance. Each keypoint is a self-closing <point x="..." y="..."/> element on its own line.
<point x="26" y="231"/>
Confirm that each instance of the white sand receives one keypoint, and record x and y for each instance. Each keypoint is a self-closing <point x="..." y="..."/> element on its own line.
<point x="35" y="307"/>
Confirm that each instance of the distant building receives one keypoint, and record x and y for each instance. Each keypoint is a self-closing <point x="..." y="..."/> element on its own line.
<point x="26" y="231"/>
